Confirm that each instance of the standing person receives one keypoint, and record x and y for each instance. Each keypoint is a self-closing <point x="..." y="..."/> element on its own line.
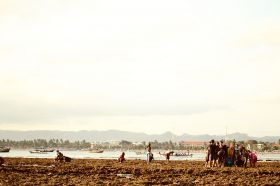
<point x="211" y="149"/>
<point x="222" y="154"/>
<point x="149" y="153"/>
<point x="217" y="149"/>
<point x="212" y="152"/>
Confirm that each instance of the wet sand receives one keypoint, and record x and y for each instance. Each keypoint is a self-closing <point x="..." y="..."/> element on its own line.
<point x="24" y="171"/>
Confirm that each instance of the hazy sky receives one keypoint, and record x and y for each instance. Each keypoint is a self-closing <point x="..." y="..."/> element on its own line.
<point x="147" y="66"/>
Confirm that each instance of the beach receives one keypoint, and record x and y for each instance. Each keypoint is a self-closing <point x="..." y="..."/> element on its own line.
<point x="40" y="171"/>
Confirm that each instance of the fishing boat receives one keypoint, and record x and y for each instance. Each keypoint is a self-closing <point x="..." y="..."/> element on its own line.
<point x="172" y="153"/>
<point x="5" y="149"/>
<point x="45" y="150"/>
<point x="37" y="152"/>
<point x="41" y="150"/>
<point x="182" y="154"/>
<point x="96" y="151"/>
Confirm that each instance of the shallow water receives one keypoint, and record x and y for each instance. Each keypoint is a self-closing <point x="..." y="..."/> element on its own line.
<point x="116" y="154"/>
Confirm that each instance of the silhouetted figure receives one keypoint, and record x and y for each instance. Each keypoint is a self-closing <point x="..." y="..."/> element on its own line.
<point x="168" y="154"/>
<point x="121" y="158"/>
<point x="61" y="158"/>
<point x="150" y="155"/>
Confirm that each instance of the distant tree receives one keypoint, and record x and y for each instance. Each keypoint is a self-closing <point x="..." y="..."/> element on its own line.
<point x="125" y="144"/>
<point x="252" y="141"/>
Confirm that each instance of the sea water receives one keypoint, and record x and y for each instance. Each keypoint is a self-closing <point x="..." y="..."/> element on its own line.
<point x="128" y="155"/>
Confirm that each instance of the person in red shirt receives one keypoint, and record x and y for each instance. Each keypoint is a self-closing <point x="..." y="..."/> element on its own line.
<point x="121" y="158"/>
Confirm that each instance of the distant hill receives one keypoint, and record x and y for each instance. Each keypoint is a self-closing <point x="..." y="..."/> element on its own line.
<point x="115" y="135"/>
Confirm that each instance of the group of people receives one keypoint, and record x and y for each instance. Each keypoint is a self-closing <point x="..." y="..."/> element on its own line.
<point x="219" y="154"/>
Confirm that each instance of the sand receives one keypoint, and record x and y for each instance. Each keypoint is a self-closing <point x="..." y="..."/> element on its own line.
<point x="24" y="171"/>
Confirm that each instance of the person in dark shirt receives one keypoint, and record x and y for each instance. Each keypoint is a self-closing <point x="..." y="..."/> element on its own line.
<point x="211" y="150"/>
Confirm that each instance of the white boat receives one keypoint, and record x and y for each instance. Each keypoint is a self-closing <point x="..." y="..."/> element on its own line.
<point x="41" y="150"/>
<point x="37" y="152"/>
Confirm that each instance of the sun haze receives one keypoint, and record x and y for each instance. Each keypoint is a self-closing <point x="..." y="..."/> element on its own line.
<point x="192" y="67"/>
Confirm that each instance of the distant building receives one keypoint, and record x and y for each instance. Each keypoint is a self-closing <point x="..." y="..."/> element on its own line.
<point x="194" y="144"/>
<point x="275" y="145"/>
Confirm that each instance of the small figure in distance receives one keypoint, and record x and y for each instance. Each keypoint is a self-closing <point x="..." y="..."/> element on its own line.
<point x="61" y="158"/>
<point x="150" y="155"/>
<point x="1" y="161"/>
<point x="210" y="154"/>
<point x="121" y="158"/>
<point x="168" y="154"/>
<point x="252" y="158"/>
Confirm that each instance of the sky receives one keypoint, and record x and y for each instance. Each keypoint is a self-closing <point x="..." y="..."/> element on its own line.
<point x="196" y="67"/>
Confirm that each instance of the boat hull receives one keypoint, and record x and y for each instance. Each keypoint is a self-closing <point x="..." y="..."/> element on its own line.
<point x="5" y="150"/>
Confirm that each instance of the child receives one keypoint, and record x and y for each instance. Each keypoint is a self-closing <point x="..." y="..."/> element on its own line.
<point x="253" y="159"/>
<point x="121" y="158"/>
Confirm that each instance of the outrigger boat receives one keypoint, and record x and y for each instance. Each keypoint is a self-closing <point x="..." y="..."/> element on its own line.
<point x="172" y="153"/>
<point x="182" y="154"/>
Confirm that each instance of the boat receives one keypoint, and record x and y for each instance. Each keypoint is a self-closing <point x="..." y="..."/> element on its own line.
<point x="182" y="154"/>
<point x="41" y="150"/>
<point x="172" y="153"/>
<point x="5" y="149"/>
<point x="37" y="152"/>
<point x="46" y="150"/>
<point x="96" y="151"/>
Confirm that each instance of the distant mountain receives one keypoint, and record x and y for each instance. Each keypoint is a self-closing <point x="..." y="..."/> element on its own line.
<point x="115" y="135"/>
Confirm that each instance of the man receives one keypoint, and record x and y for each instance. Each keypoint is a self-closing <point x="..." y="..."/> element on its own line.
<point x="211" y="150"/>
<point x="150" y="156"/>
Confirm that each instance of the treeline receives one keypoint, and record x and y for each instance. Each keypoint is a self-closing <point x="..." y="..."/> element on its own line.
<point x="127" y="145"/>
<point x="168" y="145"/>
<point x="52" y="143"/>
<point x="60" y="143"/>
